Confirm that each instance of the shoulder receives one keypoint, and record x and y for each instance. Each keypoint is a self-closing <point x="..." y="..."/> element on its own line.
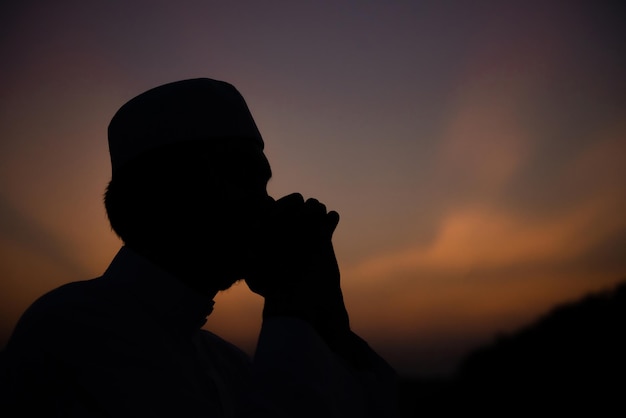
<point x="64" y="298"/>
<point x="63" y="308"/>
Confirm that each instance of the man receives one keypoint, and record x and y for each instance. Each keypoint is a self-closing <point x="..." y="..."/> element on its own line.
<point x="188" y="199"/>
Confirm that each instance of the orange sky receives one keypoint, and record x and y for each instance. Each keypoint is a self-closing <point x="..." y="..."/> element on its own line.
<point x="475" y="154"/>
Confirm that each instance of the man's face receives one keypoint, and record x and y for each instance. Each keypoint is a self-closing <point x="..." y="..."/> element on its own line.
<point x="234" y="212"/>
<point x="240" y="172"/>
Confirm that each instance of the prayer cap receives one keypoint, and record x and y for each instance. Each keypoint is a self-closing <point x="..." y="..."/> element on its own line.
<point x="185" y="110"/>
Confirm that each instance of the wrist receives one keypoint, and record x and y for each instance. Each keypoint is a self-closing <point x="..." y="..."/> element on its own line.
<point x="325" y="313"/>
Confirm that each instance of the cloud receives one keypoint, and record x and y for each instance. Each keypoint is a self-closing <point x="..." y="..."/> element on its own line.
<point x="487" y="238"/>
<point x="483" y="145"/>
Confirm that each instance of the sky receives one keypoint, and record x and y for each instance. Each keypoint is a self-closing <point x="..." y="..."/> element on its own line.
<point x="474" y="150"/>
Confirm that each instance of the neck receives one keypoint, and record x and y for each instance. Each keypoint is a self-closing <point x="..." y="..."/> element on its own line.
<point x="187" y="269"/>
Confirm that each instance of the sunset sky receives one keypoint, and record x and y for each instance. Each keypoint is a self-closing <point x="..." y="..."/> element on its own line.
<point x="474" y="150"/>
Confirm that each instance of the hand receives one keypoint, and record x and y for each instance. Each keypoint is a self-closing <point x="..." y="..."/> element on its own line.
<point x="289" y="244"/>
<point x="296" y="270"/>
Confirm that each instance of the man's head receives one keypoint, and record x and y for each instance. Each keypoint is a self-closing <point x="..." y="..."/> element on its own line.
<point x="199" y="109"/>
<point x="189" y="178"/>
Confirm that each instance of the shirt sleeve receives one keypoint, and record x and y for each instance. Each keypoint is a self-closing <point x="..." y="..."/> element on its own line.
<point x="295" y="373"/>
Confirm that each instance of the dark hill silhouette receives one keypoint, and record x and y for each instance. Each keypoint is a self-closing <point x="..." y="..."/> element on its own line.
<point x="569" y="360"/>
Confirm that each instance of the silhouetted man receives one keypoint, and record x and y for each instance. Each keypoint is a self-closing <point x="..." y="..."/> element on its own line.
<point x="188" y="199"/>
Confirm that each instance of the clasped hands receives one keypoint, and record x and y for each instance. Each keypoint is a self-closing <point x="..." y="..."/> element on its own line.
<point x="295" y="268"/>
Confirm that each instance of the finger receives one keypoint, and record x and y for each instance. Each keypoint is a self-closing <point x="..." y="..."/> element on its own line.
<point x="289" y="202"/>
<point x="314" y="207"/>
<point x="291" y="198"/>
<point x="290" y="205"/>
<point x="332" y="221"/>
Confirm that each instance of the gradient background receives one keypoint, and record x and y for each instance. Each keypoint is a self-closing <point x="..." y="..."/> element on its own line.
<point x="475" y="150"/>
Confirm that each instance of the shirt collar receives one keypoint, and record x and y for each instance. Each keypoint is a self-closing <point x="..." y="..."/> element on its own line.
<point x="181" y="309"/>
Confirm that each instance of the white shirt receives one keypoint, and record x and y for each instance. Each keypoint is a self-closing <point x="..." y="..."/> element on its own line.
<point x="130" y="343"/>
